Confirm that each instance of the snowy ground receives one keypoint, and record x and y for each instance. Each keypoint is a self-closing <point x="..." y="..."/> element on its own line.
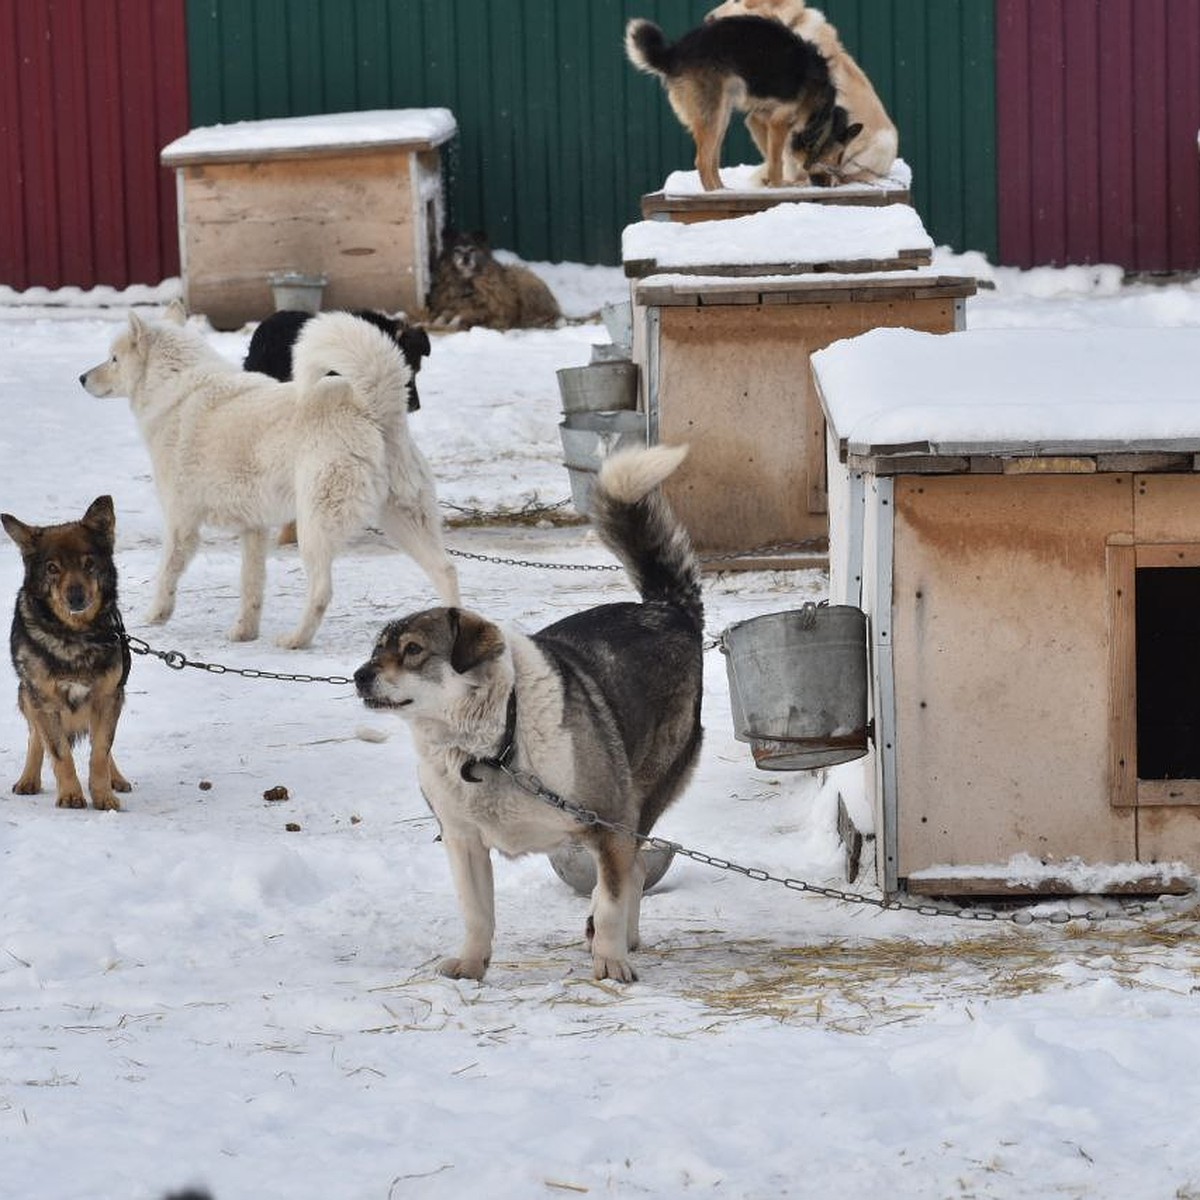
<point x="190" y="992"/>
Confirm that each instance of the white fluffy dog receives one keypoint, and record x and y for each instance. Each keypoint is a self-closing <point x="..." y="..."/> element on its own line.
<point x="240" y="451"/>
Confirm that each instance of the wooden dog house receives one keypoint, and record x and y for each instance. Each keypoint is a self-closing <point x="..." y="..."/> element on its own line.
<point x="725" y="316"/>
<point x="354" y="197"/>
<point x="683" y="198"/>
<point x="1018" y="513"/>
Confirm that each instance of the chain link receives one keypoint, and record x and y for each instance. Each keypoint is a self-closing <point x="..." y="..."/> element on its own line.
<point x="589" y="818"/>
<point x="177" y="660"/>
<point x="809" y="546"/>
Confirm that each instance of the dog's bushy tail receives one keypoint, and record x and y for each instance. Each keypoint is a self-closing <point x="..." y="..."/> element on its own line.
<point x="339" y="343"/>
<point x="638" y="526"/>
<point x="647" y="48"/>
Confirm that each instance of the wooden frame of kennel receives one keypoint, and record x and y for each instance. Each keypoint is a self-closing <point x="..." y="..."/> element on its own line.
<point x="691" y="203"/>
<point x="725" y="367"/>
<point x="365" y="210"/>
<point x="998" y="580"/>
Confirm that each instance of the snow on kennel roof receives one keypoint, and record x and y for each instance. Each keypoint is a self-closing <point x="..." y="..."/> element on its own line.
<point x="418" y="128"/>
<point x="787" y="233"/>
<point x="747" y="178"/>
<point x="1013" y="391"/>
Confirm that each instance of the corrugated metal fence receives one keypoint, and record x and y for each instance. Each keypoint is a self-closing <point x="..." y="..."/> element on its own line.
<point x="1039" y="131"/>
<point x="560" y="137"/>
<point x="89" y="90"/>
<point x="1099" y="108"/>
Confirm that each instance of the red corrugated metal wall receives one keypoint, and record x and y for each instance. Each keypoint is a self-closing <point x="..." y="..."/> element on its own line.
<point x="1098" y="106"/>
<point x="90" y="90"/>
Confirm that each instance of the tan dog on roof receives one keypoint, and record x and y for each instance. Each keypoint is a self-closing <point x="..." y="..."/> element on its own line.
<point x="870" y="154"/>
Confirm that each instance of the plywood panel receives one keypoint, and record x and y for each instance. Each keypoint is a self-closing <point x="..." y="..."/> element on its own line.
<point x="734" y="381"/>
<point x="355" y="218"/>
<point x="1002" y="668"/>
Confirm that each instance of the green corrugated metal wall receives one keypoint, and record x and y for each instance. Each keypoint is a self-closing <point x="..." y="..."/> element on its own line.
<point x="559" y="137"/>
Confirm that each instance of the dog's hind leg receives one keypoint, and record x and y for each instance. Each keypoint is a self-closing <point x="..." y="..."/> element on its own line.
<point x="179" y="547"/>
<point x="615" y="907"/>
<point x="471" y="867"/>
<point x="419" y="535"/>
<point x="254" y="578"/>
<point x="317" y="548"/>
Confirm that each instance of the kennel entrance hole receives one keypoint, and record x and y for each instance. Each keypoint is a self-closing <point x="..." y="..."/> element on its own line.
<point x="1168" y="660"/>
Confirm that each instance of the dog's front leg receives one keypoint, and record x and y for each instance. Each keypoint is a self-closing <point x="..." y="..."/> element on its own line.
<point x="254" y="578"/>
<point x="30" y="782"/>
<point x="471" y="866"/>
<point x="615" y="907"/>
<point x="102" y="728"/>
<point x="179" y="547"/>
<point x="57" y="744"/>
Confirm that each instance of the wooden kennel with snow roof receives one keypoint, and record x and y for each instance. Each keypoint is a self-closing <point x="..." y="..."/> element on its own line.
<point x="355" y="197"/>
<point x="1018" y="514"/>
<point x="725" y="317"/>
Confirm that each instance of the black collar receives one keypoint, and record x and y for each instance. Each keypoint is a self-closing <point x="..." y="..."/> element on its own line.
<point x="508" y="745"/>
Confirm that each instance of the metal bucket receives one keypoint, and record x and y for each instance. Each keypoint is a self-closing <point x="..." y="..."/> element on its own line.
<point x="293" y="290"/>
<point x="618" y="320"/>
<point x="588" y="438"/>
<point x="798" y="686"/>
<point x="599" y="387"/>
<point x="574" y="865"/>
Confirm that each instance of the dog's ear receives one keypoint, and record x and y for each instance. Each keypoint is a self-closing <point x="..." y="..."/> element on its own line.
<point x="476" y="640"/>
<point x="176" y="312"/>
<point x="414" y="341"/>
<point x="25" y="536"/>
<point x="138" y="329"/>
<point x="100" y="518"/>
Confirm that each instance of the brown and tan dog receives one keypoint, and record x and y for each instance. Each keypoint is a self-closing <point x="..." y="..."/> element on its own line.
<point x="68" y="652"/>
<point x="869" y="154"/>
<point x="748" y="63"/>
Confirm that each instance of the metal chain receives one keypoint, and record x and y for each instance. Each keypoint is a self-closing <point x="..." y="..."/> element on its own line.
<point x="809" y="545"/>
<point x="530" y="783"/>
<point x="177" y="660"/>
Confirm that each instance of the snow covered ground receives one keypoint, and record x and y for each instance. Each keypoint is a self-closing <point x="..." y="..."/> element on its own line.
<point x="191" y="992"/>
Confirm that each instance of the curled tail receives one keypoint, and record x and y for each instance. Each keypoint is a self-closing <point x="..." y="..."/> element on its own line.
<point x="646" y="47"/>
<point x="340" y="343"/>
<point x="637" y="525"/>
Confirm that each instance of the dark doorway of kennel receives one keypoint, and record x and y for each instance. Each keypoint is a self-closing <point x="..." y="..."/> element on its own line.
<point x="1167" y="641"/>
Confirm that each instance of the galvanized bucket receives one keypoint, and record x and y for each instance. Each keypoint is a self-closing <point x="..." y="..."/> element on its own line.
<point x="798" y="686"/>
<point x="599" y="387"/>
<point x="618" y="320"/>
<point x="293" y="290"/>
<point x="588" y="438"/>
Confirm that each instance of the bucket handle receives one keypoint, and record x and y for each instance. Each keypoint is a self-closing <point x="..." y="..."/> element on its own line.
<point x="807" y="617"/>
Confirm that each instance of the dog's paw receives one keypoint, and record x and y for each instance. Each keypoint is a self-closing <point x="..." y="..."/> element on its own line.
<point x="106" y="802"/>
<point x="157" y="616"/>
<point x="71" y="799"/>
<point x="26" y="786"/>
<point x="463" y="968"/>
<point x="121" y="784"/>
<point x="617" y="969"/>
<point x="243" y="631"/>
<point x="292" y="641"/>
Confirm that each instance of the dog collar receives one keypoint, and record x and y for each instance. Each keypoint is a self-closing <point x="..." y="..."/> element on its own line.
<point x="500" y="759"/>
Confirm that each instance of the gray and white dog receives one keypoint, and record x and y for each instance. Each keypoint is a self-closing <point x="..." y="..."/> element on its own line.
<point x="603" y="707"/>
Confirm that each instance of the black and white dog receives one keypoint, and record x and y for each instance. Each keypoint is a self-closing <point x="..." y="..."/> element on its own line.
<point x="602" y="706"/>
<point x="270" y="349"/>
